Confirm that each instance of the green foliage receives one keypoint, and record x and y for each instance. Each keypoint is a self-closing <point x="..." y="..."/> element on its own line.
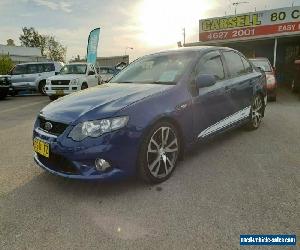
<point x="50" y="48"/>
<point x="6" y="65"/>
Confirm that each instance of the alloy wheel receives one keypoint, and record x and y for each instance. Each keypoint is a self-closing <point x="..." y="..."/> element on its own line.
<point x="257" y="111"/>
<point x="162" y="152"/>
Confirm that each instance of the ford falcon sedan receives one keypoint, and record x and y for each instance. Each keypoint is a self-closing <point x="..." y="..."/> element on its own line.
<point x="147" y="116"/>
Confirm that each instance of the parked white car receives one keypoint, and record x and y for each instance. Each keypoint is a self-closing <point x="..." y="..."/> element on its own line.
<point x="71" y="78"/>
<point x="32" y="76"/>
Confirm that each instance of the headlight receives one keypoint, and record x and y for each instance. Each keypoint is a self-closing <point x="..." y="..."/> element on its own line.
<point x="48" y="82"/>
<point x="97" y="127"/>
<point x="75" y="81"/>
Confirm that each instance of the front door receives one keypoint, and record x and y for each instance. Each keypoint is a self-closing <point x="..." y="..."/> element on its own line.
<point x="210" y="104"/>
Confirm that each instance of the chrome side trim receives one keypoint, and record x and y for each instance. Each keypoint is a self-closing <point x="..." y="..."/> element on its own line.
<point x="240" y="115"/>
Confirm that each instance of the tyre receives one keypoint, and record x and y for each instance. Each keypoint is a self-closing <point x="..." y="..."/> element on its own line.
<point x="272" y="98"/>
<point x="84" y="86"/>
<point x="42" y="89"/>
<point x="3" y="95"/>
<point x="14" y="93"/>
<point x="52" y="97"/>
<point x="294" y="87"/>
<point x="256" y="113"/>
<point x="159" y="153"/>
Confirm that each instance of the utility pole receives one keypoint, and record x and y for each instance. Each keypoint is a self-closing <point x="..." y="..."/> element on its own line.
<point x="183" y="36"/>
<point x="235" y="4"/>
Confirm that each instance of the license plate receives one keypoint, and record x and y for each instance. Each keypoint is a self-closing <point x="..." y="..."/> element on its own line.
<point x="60" y="92"/>
<point x="41" y="147"/>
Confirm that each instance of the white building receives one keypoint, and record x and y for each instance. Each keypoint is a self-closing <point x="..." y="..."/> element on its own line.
<point x="20" y="54"/>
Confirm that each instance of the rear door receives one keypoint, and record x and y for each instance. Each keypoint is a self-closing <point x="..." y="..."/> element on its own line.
<point x="32" y="74"/>
<point x="210" y="104"/>
<point x="239" y="85"/>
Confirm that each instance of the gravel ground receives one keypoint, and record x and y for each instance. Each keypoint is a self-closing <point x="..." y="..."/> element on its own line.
<point x="238" y="183"/>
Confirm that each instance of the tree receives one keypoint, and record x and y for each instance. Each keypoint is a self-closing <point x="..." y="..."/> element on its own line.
<point x="50" y="48"/>
<point x="31" y="38"/>
<point x="6" y="65"/>
<point x="54" y="50"/>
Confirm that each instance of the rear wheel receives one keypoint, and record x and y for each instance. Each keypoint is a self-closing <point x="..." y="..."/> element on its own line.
<point x="294" y="88"/>
<point x="3" y="95"/>
<point x="84" y="86"/>
<point x="42" y="89"/>
<point x="256" y="114"/>
<point x="159" y="153"/>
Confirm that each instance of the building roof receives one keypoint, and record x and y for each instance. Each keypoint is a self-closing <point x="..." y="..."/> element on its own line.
<point x="20" y="51"/>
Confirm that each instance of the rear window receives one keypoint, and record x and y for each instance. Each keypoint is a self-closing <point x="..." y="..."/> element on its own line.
<point x="48" y="67"/>
<point x="234" y="63"/>
<point x="263" y="64"/>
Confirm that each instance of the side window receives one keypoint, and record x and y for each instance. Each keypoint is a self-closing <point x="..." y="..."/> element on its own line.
<point x="247" y="65"/>
<point x="234" y="63"/>
<point x="32" y="69"/>
<point x="48" y="67"/>
<point x="211" y="63"/>
<point x="40" y="68"/>
<point x="19" y="70"/>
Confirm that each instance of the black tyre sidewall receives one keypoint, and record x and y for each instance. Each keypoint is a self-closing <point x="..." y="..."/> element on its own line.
<point x="42" y="84"/>
<point x="84" y="86"/>
<point x="143" y="170"/>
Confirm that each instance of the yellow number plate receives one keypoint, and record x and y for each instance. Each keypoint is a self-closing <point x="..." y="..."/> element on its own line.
<point x="41" y="147"/>
<point x="60" y="92"/>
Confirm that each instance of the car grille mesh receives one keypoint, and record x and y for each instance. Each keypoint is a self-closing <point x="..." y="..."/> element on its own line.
<point x="60" y="82"/>
<point x="57" y="127"/>
<point x="58" y="163"/>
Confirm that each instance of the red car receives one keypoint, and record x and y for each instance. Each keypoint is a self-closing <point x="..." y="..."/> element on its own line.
<point x="265" y="65"/>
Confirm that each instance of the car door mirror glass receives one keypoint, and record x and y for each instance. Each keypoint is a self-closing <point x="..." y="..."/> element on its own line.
<point x="205" y="80"/>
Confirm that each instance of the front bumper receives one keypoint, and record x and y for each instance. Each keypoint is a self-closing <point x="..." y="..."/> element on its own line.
<point x="61" y="90"/>
<point x="76" y="160"/>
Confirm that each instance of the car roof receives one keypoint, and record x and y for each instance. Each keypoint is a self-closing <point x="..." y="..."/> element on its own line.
<point x="193" y="49"/>
<point x="259" y="59"/>
<point x="28" y="63"/>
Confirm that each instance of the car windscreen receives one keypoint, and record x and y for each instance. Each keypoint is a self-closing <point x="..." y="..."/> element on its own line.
<point x="263" y="64"/>
<point x="73" y="69"/>
<point x="161" y="69"/>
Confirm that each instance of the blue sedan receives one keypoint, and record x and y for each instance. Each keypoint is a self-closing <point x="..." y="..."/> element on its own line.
<point x="147" y="116"/>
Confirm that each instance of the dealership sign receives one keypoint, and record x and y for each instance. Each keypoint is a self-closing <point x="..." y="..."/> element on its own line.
<point x="276" y="22"/>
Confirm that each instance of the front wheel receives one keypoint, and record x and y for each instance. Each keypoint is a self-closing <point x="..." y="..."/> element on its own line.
<point x="84" y="86"/>
<point x="256" y="113"/>
<point x="159" y="153"/>
<point x="42" y="88"/>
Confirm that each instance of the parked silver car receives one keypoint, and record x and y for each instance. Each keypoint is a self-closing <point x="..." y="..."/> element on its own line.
<point x="32" y="76"/>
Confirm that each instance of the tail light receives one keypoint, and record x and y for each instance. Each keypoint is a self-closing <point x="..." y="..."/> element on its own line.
<point x="271" y="80"/>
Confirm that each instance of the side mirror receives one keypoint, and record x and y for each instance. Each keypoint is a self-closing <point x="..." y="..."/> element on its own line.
<point x="91" y="73"/>
<point x="205" y="80"/>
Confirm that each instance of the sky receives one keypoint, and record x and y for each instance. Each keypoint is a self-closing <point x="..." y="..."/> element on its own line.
<point x="144" y="25"/>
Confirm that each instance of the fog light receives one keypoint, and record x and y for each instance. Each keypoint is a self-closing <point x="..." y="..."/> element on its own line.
<point x="101" y="164"/>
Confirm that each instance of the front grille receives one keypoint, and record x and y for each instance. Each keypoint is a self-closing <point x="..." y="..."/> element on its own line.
<point x="60" y="88"/>
<point x="60" y="82"/>
<point x="58" y="163"/>
<point x="4" y="81"/>
<point x="57" y="127"/>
